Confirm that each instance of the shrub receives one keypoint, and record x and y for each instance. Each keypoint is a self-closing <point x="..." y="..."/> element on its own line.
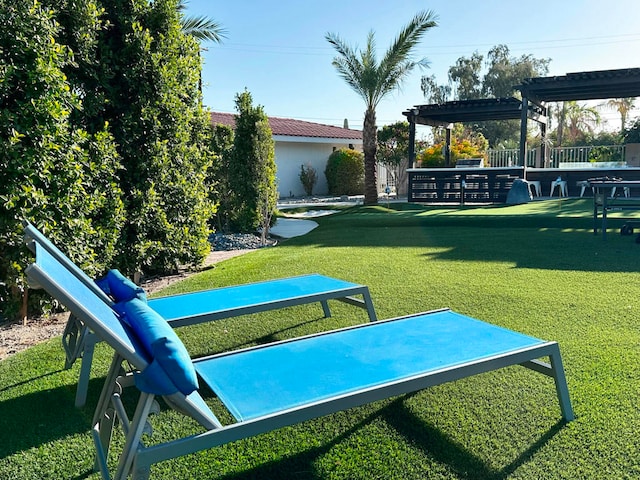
<point x="54" y="174"/>
<point x="433" y="156"/>
<point x="252" y="169"/>
<point x="218" y="175"/>
<point x="308" y="178"/>
<point x="345" y="172"/>
<point x="148" y="80"/>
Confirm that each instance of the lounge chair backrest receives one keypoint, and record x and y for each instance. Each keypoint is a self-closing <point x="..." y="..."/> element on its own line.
<point x="58" y="280"/>
<point x="34" y="236"/>
<point x="83" y="302"/>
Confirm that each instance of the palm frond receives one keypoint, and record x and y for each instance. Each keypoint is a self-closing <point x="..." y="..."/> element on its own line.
<point x="400" y="50"/>
<point x="203" y="28"/>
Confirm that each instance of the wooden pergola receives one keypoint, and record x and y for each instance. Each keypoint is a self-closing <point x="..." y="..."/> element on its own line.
<point x="461" y="111"/>
<point x="536" y="92"/>
<point x="595" y="85"/>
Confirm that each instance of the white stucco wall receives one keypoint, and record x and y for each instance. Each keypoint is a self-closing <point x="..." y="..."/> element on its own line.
<point x="292" y="152"/>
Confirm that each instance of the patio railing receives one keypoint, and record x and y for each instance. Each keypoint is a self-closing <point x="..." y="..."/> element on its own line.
<point x="563" y="157"/>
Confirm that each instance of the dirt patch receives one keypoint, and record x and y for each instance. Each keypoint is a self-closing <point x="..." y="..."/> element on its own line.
<point x="15" y="336"/>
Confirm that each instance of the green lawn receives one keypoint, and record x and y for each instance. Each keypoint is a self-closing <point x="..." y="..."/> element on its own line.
<point x="534" y="268"/>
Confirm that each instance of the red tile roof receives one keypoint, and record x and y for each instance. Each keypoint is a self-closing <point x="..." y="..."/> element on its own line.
<point x="294" y="128"/>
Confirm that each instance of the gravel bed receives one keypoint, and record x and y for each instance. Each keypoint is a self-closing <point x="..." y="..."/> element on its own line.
<point x="238" y="241"/>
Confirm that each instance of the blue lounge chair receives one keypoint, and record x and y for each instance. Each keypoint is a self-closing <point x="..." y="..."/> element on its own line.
<point x="268" y="387"/>
<point x="204" y="306"/>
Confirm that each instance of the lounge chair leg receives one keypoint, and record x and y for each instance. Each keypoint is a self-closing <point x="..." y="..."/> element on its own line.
<point x="369" y="304"/>
<point x="104" y="416"/>
<point x="325" y="308"/>
<point x="561" y="384"/>
<point x="72" y="340"/>
<point x="137" y="428"/>
<point x="89" y="343"/>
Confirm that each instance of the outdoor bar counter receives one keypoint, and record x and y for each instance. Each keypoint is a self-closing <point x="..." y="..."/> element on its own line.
<point x="492" y="184"/>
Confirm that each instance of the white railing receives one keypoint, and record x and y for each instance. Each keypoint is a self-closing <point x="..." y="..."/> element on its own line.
<point x="604" y="154"/>
<point x="562" y="157"/>
<point x="509" y="158"/>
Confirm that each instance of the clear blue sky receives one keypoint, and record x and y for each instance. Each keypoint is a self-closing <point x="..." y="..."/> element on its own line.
<point x="278" y="52"/>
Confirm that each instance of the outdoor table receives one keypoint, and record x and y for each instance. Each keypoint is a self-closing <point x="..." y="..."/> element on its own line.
<point x="604" y="189"/>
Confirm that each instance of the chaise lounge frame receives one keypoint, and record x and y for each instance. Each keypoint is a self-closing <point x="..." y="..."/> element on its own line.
<point x="415" y="344"/>
<point x="204" y="306"/>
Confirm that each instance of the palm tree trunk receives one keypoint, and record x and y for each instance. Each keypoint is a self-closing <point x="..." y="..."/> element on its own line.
<point x="370" y="146"/>
<point x="561" y="120"/>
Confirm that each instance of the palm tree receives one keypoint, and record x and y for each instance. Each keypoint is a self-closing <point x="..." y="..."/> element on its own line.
<point x="202" y="29"/>
<point x="580" y="118"/>
<point x="373" y="81"/>
<point x="623" y="106"/>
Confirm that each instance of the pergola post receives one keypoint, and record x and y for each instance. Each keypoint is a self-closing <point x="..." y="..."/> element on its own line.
<point x="412" y="141"/>
<point x="447" y="147"/>
<point x="524" y="115"/>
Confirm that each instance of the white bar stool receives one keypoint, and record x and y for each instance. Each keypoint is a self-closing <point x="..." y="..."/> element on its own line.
<point x="562" y="187"/>
<point x="625" y="191"/>
<point x="583" y="186"/>
<point x="534" y="187"/>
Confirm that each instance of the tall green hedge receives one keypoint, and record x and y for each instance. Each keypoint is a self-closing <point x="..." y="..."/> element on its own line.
<point x="252" y="170"/>
<point x="104" y="144"/>
<point x="54" y="174"/>
<point x="148" y="83"/>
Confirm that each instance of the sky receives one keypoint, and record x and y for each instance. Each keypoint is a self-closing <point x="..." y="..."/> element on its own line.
<point x="277" y="50"/>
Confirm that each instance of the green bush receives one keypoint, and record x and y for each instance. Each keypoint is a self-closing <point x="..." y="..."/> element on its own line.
<point x="308" y="177"/>
<point x="433" y="156"/>
<point x="148" y="83"/>
<point x="218" y="175"/>
<point x="101" y="114"/>
<point x="605" y="154"/>
<point x="252" y="170"/>
<point x="54" y="174"/>
<point x="345" y="172"/>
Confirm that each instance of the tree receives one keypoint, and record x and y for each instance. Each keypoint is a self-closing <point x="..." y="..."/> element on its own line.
<point x="502" y="73"/>
<point x="580" y="120"/>
<point x="220" y="190"/>
<point x="373" y="80"/>
<point x="252" y="169"/>
<point x="200" y="27"/>
<point x="505" y="72"/>
<point x="632" y="134"/>
<point x="54" y="173"/>
<point x="393" y="151"/>
<point x="433" y="92"/>
<point x="623" y="106"/>
<point x="146" y="87"/>
<point x="465" y="75"/>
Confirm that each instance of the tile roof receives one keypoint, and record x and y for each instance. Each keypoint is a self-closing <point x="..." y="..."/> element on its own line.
<point x="294" y="128"/>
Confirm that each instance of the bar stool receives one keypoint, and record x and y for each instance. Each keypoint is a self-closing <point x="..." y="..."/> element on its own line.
<point x="583" y="186"/>
<point x="625" y="190"/>
<point x="534" y="187"/>
<point x="562" y="187"/>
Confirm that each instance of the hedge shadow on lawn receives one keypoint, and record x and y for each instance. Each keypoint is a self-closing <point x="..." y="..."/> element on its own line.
<point x="34" y="419"/>
<point x="542" y="236"/>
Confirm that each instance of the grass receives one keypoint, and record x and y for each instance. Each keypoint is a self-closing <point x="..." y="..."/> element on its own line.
<point x="534" y="268"/>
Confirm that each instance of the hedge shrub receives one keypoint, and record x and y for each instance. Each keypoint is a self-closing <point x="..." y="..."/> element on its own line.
<point x="54" y="174"/>
<point x="345" y="172"/>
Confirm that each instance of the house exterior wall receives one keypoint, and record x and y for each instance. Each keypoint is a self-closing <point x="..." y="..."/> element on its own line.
<point x="291" y="153"/>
